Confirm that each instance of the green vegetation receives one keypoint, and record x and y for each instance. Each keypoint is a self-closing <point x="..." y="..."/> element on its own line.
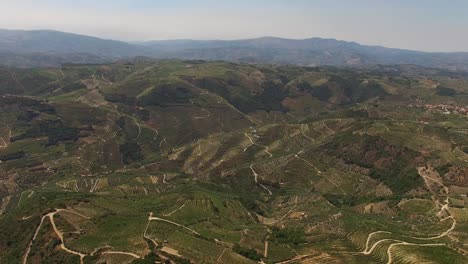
<point x="213" y="162"/>
<point x="247" y="252"/>
<point x="131" y="152"/>
<point x="444" y="91"/>
<point x="289" y="236"/>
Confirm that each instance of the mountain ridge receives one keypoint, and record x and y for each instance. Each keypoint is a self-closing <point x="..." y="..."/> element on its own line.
<point x="271" y="50"/>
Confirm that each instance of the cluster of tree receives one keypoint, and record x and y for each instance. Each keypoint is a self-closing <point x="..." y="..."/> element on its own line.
<point x="120" y="98"/>
<point x="398" y="172"/>
<point x="131" y="152"/>
<point x="444" y="91"/>
<point x="247" y="252"/>
<point x="73" y="87"/>
<point x="12" y="156"/>
<point x="288" y="236"/>
<point x="167" y="94"/>
<point x="53" y="129"/>
<point x="322" y="92"/>
<point x="352" y="86"/>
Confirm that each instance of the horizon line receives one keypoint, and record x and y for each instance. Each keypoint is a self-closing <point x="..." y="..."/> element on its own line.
<point x="137" y="42"/>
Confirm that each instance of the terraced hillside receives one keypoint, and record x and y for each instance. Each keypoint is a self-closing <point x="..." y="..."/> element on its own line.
<point x="194" y="162"/>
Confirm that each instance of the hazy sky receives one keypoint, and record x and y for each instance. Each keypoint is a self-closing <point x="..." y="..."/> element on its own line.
<point x="432" y="25"/>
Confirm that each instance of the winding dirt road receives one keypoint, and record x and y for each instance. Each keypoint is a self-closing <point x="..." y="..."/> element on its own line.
<point x="267" y="150"/>
<point x="255" y="174"/>
<point x="428" y="180"/>
<point x="57" y="232"/>
<point x="50" y="217"/>
<point x="367" y="251"/>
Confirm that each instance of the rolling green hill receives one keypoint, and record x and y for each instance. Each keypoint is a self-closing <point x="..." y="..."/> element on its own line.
<point x="214" y="162"/>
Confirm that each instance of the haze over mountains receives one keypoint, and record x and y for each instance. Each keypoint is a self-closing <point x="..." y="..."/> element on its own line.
<point x="46" y="48"/>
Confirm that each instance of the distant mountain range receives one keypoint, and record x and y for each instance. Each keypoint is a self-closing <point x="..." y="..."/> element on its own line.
<point x="46" y="48"/>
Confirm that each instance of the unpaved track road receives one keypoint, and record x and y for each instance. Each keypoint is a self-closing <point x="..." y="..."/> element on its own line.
<point x="3" y="143"/>
<point x="221" y="255"/>
<point x="255" y="174"/>
<point x="151" y="218"/>
<point x="146" y="236"/>
<point x="28" y="249"/>
<point x="57" y="232"/>
<point x="267" y="150"/>
<point x="121" y="253"/>
<point x="444" y="209"/>
<point x="176" y="210"/>
<point x="367" y="251"/>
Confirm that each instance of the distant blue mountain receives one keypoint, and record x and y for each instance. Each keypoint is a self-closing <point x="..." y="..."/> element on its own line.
<point x="51" y="48"/>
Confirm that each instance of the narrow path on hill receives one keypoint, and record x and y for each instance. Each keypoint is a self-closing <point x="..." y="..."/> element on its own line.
<point x="62" y="73"/>
<point x="304" y="134"/>
<point x="385" y="126"/>
<point x="454" y="154"/>
<point x="151" y="218"/>
<point x="106" y="80"/>
<point x="26" y="217"/>
<point x="3" y="143"/>
<point x="59" y="234"/>
<point x="296" y="259"/>
<point x="199" y="149"/>
<point x="28" y="249"/>
<point x="367" y="251"/>
<point x="93" y="188"/>
<point x="266" y="189"/>
<point x="310" y="164"/>
<point x="327" y="127"/>
<point x="121" y="253"/>
<point x="176" y="210"/>
<point x="318" y="171"/>
<point x="265" y="147"/>
<point x="288" y="213"/>
<point x="265" y="251"/>
<point x="221" y="255"/>
<point x="138" y="125"/>
<point x="255" y="174"/>
<point x="19" y="200"/>
<point x="13" y="76"/>
<point x="146" y="236"/>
